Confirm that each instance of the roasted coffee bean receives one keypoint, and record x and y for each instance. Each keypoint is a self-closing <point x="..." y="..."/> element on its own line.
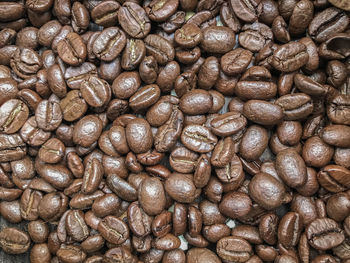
<point x="14" y="114"/>
<point x="105" y="13"/>
<point x="72" y="50"/>
<point x="290" y="57"/>
<point x="76" y="226"/>
<point x="248" y="12"/>
<point x="210" y="41"/>
<point x="14" y="241"/>
<point x="183" y="160"/>
<point x="108" y="45"/>
<point x="134" y="20"/>
<point x="95" y="91"/>
<point x="160" y="48"/>
<point x="234" y="249"/>
<point x="267" y="191"/>
<point x="181" y="188"/>
<point x="113" y="230"/>
<point x="152" y="196"/>
<point x="262" y="112"/>
<point x="291" y="168"/>
<point x="48" y="115"/>
<point x="334" y="178"/>
<point x="198" y="138"/>
<point x="324" y="233"/>
<point x="329" y="21"/>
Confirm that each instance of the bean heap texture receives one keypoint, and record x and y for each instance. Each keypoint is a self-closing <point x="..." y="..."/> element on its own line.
<point x="175" y="131"/>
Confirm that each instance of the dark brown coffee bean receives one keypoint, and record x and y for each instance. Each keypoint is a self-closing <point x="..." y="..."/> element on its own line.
<point x="73" y="105"/>
<point x="95" y="91"/>
<point x="92" y="176"/>
<point x="139" y="221"/>
<point x="262" y="112"/>
<point x="290" y="57"/>
<point x="105" y="13"/>
<point x="253" y="143"/>
<point x="198" y="138"/>
<point x="160" y="11"/>
<point x="87" y="130"/>
<point x="289" y="229"/>
<point x="201" y="254"/>
<point x="144" y="97"/>
<point x="246" y="12"/>
<point x="70" y="253"/>
<point x="14" y="241"/>
<point x="334" y="178"/>
<point x="160" y="48"/>
<point x="235" y="204"/>
<point x="295" y="106"/>
<point x="234" y="249"/>
<point x="267" y="191"/>
<point x="329" y="21"/>
<point x="218" y="39"/>
<point x="336" y="135"/>
<point x="14" y="114"/>
<point x="113" y="230"/>
<point x="138" y="132"/>
<point x="168" y="242"/>
<point x="126" y="84"/>
<point x="291" y="168"/>
<point x="109" y="43"/>
<point x="181" y="188"/>
<point x="188" y="36"/>
<point x="72" y="50"/>
<point x="148" y="69"/>
<point x="161" y="225"/>
<point x="152" y="196"/>
<point x="29" y="204"/>
<point x="76" y="226"/>
<point x="48" y="115"/>
<point x="52" y="151"/>
<point x="324" y="233"/>
<point x="121" y="188"/>
<point x="134" y="20"/>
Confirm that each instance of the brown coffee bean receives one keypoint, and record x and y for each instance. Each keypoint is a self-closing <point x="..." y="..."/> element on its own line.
<point x="234" y="249"/>
<point x="235" y="204"/>
<point x="72" y="50"/>
<point x="211" y="35"/>
<point x="181" y="188"/>
<point x="324" y="233"/>
<point x="198" y="138"/>
<point x="113" y="230"/>
<point x="267" y="191"/>
<point x="76" y="226"/>
<point x="290" y="57"/>
<point x="291" y="168"/>
<point x="14" y="241"/>
<point x="152" y="196"/>
<point x="139" y="136"/>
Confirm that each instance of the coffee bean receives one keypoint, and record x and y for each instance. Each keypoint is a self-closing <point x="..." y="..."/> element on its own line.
<point x="319" y="231"/>
<point x="160" y="48"/>
<point x="218" y="39"/>
<point x="234" y="249"/>
<point x="134" y="20"/>
<point x="152" y="196"/>
<point x="113" y="230"/>
<point x="290" y="57"/>
<point x="108" y="45"/>
<point x="72" y="50"/>
<point x="14" y="241"/>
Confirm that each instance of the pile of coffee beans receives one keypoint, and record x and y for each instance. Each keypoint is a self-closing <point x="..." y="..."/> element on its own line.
<point x="175" y="131"/>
